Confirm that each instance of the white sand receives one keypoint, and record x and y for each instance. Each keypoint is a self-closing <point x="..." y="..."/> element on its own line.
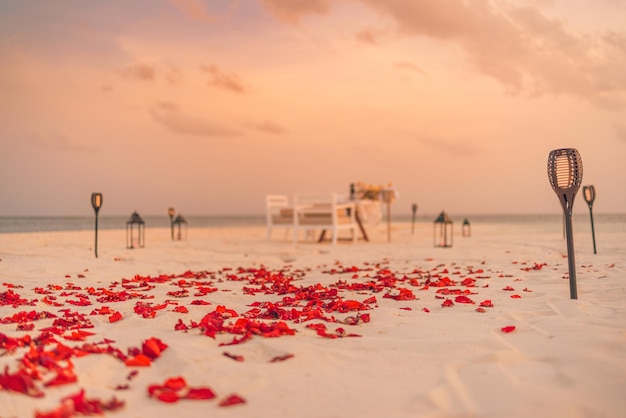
<point x="565" y="357"/>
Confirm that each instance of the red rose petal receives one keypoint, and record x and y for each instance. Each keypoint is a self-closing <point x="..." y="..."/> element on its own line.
<point x="232" y="400"/>
<point x="200" y="393"/>
<point x="140" y="360"/>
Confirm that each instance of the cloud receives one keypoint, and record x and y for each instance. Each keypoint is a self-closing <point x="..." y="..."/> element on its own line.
<point x="269" y="127"/>
<point x="223" y="80"/>
<point x="367" y="36"/>
<point x="143" y="72"/>
<point x="169" y="115"/>
<point x="194" y="9"/>
<point x="55" y="141"/>
<point x="173" y="75"/>
<point x="445" y="20"/>
<point x="558" y="61"/>
<point x="405" y="65"/>
<point x="519" y="46"/>
<point x="290" y="11"/>
<point x="147" y="72"/>
<point x="513" y="43"/>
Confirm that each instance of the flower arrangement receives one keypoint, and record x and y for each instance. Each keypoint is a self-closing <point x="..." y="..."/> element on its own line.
<point x="366" y="191"/>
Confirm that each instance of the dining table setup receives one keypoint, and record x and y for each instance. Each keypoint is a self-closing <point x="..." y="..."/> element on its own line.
<point x="370" y="199"/>
<point x="332" y="213"/>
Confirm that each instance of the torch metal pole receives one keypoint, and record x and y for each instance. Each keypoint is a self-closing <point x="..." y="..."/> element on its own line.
<point x="96" y="246"/>
<point x="593" y="232"/>
<point x="570" y="256"/>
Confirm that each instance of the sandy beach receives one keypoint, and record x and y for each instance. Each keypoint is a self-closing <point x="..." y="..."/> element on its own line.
<point x="227" y="114"/>
<point x="229" y="324"/>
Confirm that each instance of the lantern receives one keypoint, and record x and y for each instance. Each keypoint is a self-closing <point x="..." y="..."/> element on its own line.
<point x="135" y="239"/>
<point x="466" y="232"/>
<point x="565" y="172"/>
<point x="170" y="212"/>
<point x="96" y="202"/>
<point x="180" y="221"/>
<point x="589" y="193"/>
<point x="442" y="232"/>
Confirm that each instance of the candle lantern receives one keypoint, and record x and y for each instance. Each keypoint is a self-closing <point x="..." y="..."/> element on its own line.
<point x="180" y="222"/>
<point x="565" y="172"/>
<point x="96" y="202"/>
<point x="135" y="239"/>
<point x="443" y="231"/>
<point x="466" y="232"/>
<point x="170" y="213"/>
<point x="589" y="193"/>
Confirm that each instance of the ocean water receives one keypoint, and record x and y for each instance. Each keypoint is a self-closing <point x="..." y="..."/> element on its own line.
<point x="603" y="223"/>
<point x="78" y="223"/>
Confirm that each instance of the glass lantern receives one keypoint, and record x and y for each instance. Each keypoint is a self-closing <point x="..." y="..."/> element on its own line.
<point x="467" y="231"/>
<point x="443" y="231"/>
<point x="135" y="239"/>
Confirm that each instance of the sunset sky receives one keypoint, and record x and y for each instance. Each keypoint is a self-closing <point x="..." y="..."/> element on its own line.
<point x="209" y="105"/>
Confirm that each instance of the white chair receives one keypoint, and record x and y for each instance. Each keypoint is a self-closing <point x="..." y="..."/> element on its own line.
<point x="279" y="213"/>
<point x="315" y="211"/>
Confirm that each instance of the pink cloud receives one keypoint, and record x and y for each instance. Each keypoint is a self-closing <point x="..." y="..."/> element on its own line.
<point x="173" y="75"/>
<point x="147" y="72"/>
<point x="367" y="36"/>
<point x="520" y="47"/>
<point x="54" y="140"/>
<point x="405" y="65"/>
<point x="194" y="9"/>
<point x="224" y="80"/>
<point x="290" y="11"/>
<point x="269" y="127"/>
<point x="169" y="115"/>
<point x="142" y="72"/>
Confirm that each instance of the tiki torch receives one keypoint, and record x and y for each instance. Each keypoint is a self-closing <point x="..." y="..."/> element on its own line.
<point x="565" y="171"/>
<point x="414" y="209"/>
<point x="589" y="193"/>
<point x="96" y="202"/>
<point x="170" y="213"/>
